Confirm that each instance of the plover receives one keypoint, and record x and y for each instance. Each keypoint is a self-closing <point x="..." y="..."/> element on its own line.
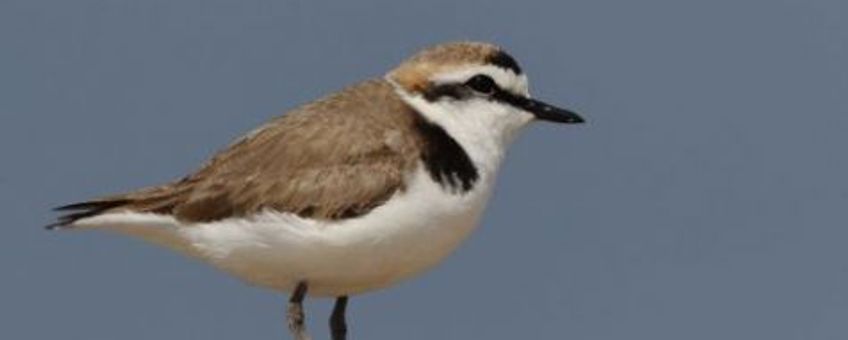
<point x="350" y="193"/>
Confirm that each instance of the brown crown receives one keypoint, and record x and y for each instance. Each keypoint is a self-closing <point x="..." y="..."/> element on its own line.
<point x="414" y="73"/>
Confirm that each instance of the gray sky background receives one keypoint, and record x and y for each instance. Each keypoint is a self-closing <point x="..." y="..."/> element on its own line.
<point x="706" y="199"/>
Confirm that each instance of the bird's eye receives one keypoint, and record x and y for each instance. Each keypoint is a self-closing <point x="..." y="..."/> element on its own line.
<point x="482" y="83"/>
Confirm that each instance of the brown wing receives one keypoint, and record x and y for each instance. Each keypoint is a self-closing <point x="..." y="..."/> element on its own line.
<point x="337" y="157"/>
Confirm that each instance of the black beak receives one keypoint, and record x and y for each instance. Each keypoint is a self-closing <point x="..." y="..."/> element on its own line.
<point x="544" y="111"/>
<point x="541" y="110"/>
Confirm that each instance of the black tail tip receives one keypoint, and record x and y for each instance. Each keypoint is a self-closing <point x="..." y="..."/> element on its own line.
<point x="71" y="213"/>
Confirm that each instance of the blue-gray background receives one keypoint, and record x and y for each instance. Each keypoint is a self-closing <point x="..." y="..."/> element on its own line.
<point x="706" y="199"/>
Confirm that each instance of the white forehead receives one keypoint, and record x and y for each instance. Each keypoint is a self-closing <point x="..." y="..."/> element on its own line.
<point x="506" y="79"/>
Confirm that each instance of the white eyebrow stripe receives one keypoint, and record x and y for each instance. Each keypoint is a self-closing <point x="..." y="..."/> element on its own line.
<point x="506" y="79"/>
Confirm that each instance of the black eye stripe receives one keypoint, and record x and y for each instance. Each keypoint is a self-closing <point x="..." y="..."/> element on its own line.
<point x="455" y="91"/>
<point x="459" y="91"/>
<point x="479" y="86"/>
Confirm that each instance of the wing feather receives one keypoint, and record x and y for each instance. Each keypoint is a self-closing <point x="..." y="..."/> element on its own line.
<point x="337" y="157"/>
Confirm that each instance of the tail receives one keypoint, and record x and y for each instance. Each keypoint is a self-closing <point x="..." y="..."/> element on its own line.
<point x="77" y="211"/>
<point x="146" y="216"/>
<point x="161" y="199"/>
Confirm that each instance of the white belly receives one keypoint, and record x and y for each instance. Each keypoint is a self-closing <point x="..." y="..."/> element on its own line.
<point x="412" y="232"/>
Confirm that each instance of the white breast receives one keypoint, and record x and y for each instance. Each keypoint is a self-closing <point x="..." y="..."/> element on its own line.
<point x="413" y="231"/>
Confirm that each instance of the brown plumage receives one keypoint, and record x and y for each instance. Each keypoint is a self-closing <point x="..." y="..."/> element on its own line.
<point x="337" y="157"/>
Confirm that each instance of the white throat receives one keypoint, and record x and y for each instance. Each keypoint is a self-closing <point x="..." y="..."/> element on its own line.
<point x="484" y="128"/>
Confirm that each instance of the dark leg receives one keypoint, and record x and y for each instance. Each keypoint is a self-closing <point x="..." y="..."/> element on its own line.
<point x="338" y="326"/>
<point x="295" y="312"/>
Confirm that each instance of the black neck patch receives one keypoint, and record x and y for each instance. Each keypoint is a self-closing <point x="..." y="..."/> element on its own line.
<point x="445" y="160"/>
<point x="502" y="59"/>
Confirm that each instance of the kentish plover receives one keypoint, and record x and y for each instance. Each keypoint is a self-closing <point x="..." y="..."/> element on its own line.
<point x="353" y="192"/>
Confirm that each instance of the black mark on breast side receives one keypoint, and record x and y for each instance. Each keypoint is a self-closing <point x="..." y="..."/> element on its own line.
<point x="445" y="160"/>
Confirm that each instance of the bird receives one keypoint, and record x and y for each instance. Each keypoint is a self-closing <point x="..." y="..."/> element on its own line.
<point x="350" y="193"/>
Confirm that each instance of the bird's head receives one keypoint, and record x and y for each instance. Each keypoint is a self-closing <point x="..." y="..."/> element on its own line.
<point x="473" y="89"/>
